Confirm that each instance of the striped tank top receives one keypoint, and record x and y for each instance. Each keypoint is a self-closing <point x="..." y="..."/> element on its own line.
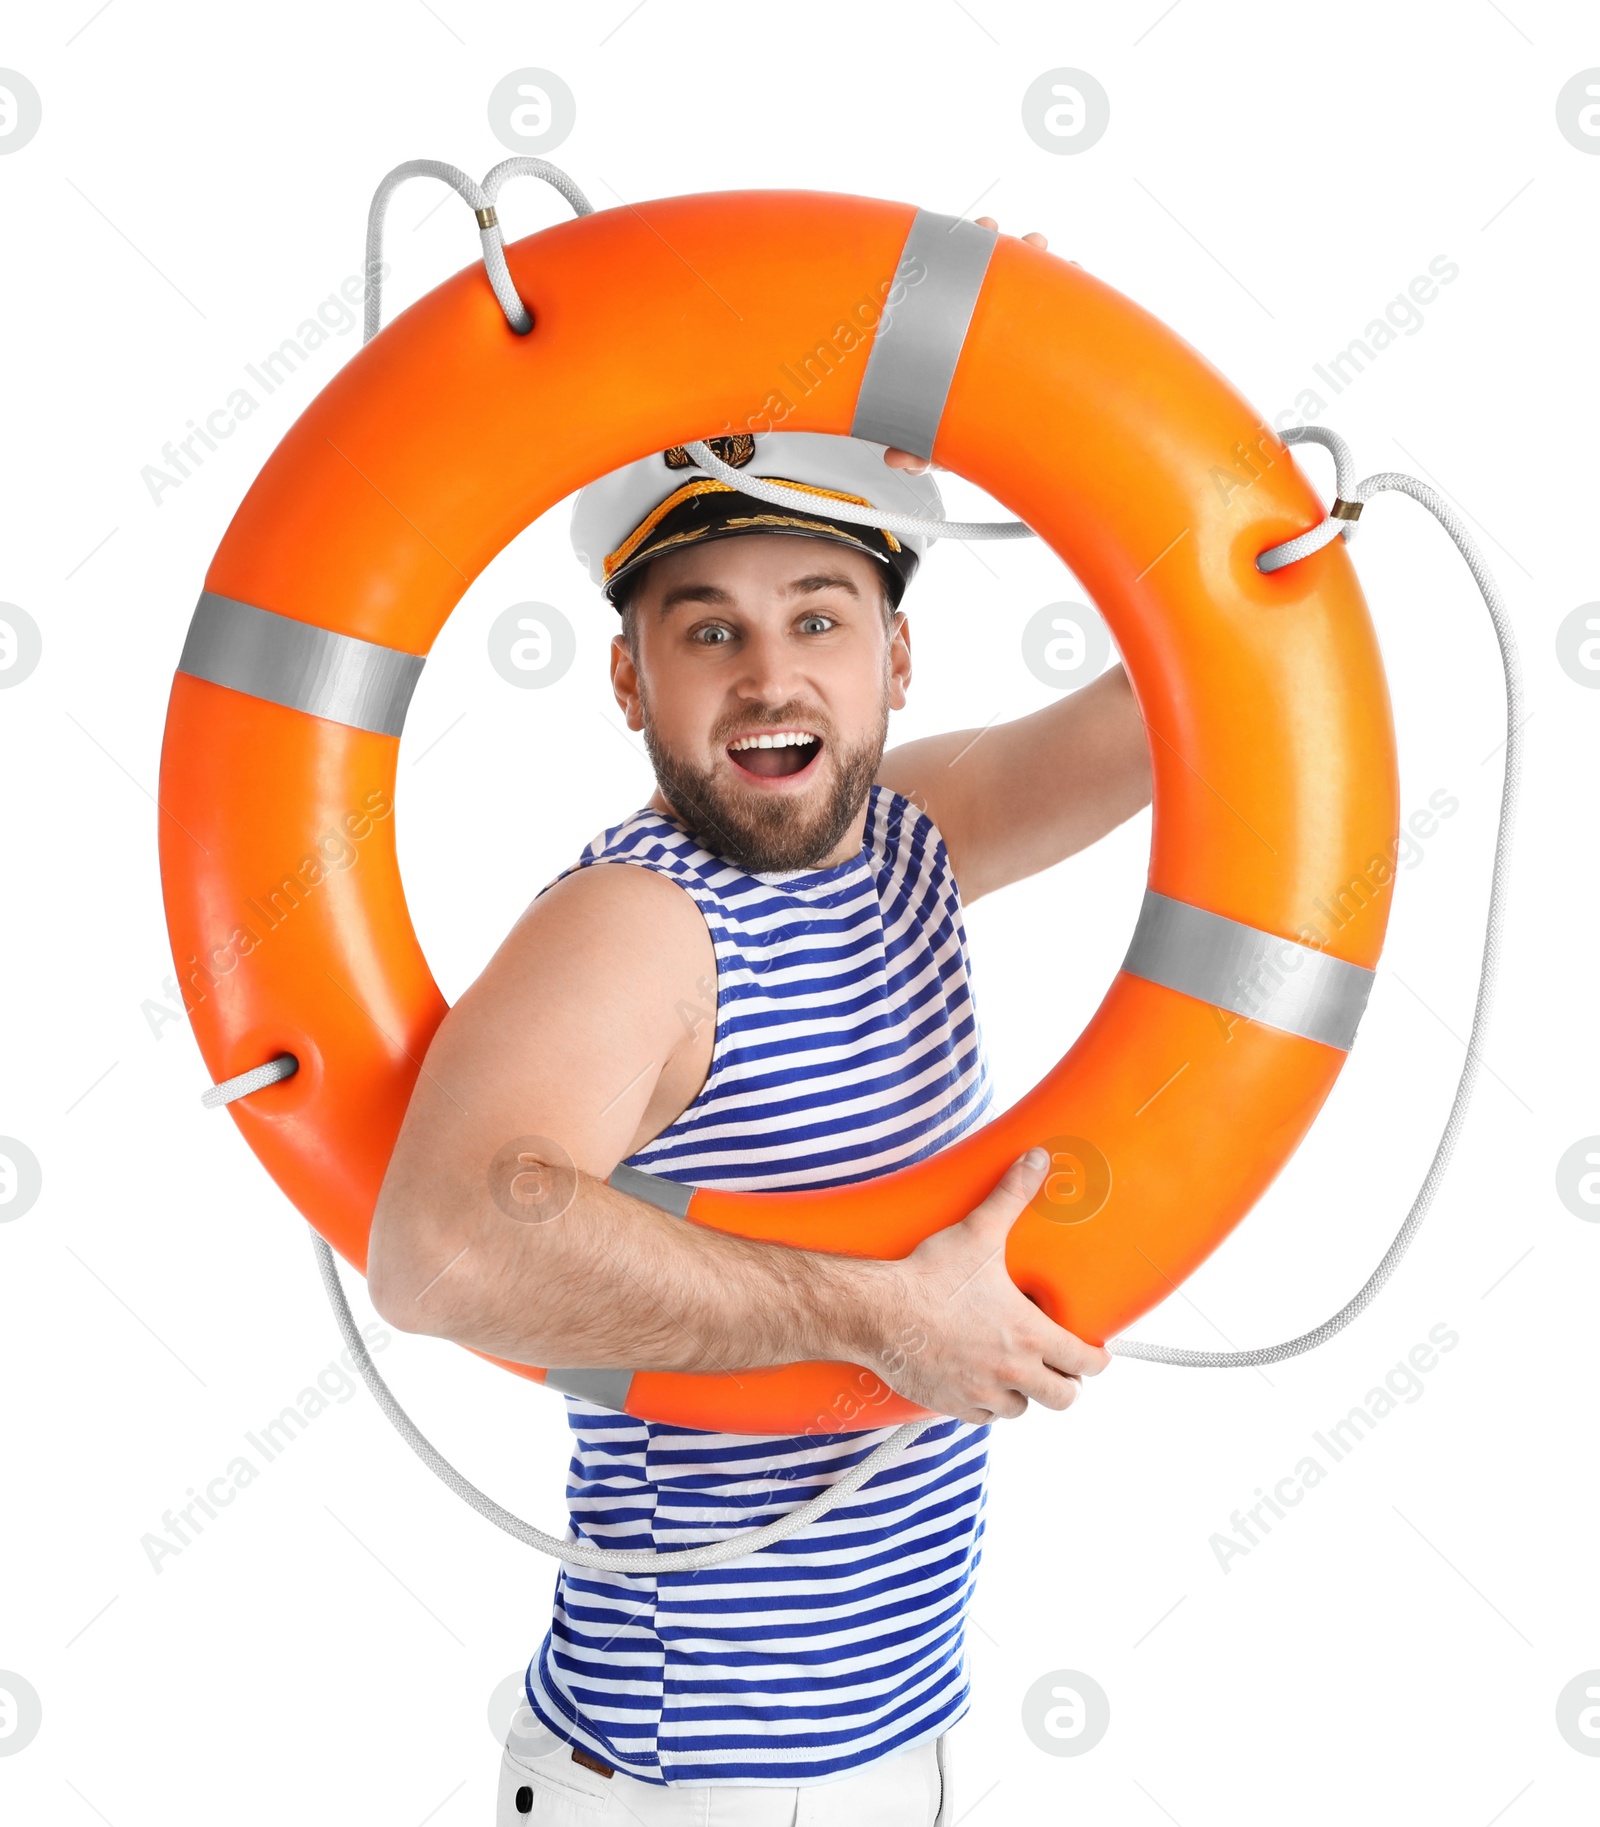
<point x="847" y="1044"/>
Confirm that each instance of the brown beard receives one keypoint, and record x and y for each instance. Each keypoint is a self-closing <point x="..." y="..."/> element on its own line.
<point x="760" y="835"/>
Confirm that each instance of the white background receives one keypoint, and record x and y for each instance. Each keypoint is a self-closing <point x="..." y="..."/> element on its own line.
<point x="1272" y="177"/>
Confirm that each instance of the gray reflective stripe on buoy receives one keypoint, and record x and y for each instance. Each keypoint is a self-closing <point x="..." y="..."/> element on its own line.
<point x="670" y="1195"/>
<point x="1263" y="976"/>
<point x="271" y="656"/>
<point x="607" y="1387"/>
<point x="918" y="340"/>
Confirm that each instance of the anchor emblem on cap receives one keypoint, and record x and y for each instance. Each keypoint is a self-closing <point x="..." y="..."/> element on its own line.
<point x="736" y="451"/>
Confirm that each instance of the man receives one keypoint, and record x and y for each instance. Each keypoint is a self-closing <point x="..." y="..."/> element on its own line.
<point x="759" y="980"/>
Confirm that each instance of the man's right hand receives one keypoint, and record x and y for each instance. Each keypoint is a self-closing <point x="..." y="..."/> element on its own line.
<point x="961" y="1338"/>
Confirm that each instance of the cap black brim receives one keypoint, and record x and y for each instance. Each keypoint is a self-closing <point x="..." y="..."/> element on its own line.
<point x="725" y="514"/>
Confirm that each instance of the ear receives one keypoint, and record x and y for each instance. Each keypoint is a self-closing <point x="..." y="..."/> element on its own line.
<point x="899" y="659"/>
<point x="625" y="682"/>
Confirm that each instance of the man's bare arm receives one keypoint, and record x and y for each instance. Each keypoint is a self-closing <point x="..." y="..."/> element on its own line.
<point x="1017" y="797"/>
<point x="613" y="1281"/>
<point x="556" y="1054"/>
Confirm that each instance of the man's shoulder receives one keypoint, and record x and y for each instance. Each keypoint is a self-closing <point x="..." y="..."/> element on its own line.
<point x="568" y="1029"/>
<point x="610" y="894"/>
<point x="614" y="933"/>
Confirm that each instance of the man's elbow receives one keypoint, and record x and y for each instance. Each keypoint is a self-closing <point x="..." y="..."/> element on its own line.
<point x="385" y="1289"/>
<point x="403" y="1315"/>
<point x="400" y="1277"/>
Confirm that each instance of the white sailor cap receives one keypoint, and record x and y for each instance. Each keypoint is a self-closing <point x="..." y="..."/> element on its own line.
<point x="666" y="500"/>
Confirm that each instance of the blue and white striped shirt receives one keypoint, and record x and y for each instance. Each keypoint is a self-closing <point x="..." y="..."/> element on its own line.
<point x="847" y="1044"/>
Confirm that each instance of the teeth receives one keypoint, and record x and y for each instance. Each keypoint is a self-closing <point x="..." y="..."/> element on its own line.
<point x="779" y="739"/>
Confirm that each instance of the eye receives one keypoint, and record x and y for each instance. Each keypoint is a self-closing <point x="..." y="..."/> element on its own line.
<point x="817" y="615"/>
<point x="710" y="628"/>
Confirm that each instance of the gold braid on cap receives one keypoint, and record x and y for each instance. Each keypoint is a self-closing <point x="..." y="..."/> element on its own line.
<point x="705" y="485"/>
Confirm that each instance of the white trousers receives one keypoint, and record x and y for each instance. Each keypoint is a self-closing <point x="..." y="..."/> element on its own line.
<point x="542" y="1785"/>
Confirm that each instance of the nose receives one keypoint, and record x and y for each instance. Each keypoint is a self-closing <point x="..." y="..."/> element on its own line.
<point x="771" y="672"/>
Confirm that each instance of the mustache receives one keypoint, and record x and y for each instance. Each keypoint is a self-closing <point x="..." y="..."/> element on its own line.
<point x="755" y="722"/>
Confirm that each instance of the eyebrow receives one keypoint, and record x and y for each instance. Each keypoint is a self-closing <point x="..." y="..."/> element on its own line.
<point x="714" y="594"/>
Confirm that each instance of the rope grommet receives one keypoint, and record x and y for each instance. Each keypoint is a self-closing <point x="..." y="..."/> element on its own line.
<point x="285" y="1065"/>
<point x="469" y="190"/>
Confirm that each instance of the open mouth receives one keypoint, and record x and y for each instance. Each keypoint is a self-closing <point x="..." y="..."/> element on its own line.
<point x="777" y="756"/>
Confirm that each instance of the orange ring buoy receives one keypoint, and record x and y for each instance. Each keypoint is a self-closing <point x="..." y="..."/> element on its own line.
<point x="1272" y="744"/>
